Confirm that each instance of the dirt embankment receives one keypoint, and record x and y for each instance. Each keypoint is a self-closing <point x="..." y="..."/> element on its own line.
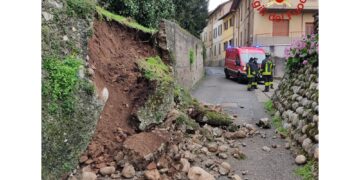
<point x="113" y="51"/>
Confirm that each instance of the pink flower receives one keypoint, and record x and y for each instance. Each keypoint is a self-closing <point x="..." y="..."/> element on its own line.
<point x="305" y="62"/>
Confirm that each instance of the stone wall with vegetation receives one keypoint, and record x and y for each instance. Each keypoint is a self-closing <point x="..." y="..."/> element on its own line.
<point x="296" y="102"/>
<point x="70" y="108"/>
<point x="185" y="53"/>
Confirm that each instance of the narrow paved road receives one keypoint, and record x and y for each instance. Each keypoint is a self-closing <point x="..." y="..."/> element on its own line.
<point x="278" y="164"/>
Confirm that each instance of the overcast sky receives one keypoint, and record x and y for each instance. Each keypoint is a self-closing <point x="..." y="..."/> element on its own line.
<point x="214" y="3"/>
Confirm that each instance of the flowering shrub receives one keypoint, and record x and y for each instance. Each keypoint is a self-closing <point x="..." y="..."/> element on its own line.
<point x="302" y="52"/>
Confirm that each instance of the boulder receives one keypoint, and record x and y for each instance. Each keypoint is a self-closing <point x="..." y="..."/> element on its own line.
<point x="108" y="170"/>
<point x="224" y="168"/>
<point x="212" y="147"/>
<point x="264" y="123"/>
<point x="88" y="176"/>
<point x="128" y="171"/>
<point x="300" y="159"/>
<point x="197" y="173"/>
<point x="185" y="165"/>
<point x="152" y="174"/>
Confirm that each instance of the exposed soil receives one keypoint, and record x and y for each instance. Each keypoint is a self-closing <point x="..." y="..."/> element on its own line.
<point x="113" y="51"/>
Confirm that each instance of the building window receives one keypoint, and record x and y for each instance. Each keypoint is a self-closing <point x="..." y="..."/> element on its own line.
<point x="219" y="29"/>
<point x="219" y="48"/>
<point x="225" y="25"/>
<point x="309" y="28"/>
<point x="281" y="28"/>
<point x="215" y="50"/>
<point x="231" y="42"/>
<point x="225" y="45"/>
<point x="231" y="22"/>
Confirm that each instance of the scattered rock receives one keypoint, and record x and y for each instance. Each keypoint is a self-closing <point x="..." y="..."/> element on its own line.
<point x="128" y="171"/>
<point x="88" y="176"/>
<point x="151" y="166"/>
<point x="244" y="172"/>
<point x="317" y="138"/>
<point x="209" y="163"/>
<point x="224" y="168"/>
<point x="223" y="148"/>
<point x="104" y="95"/>
<point x="287" y="145"/>
<point x="300" y="159"/>
<point x="83" y="159"/>
<point x="152" y="174"/>
<point x="264" y="123"/>
<point x="265" y="148"/>
<point x="212" y="147"/>
<point x="217" y="132"/>
<point x="263" y="135"/>
<point x="108" y="170"/>
<point x="47" y="16"/>
<point x="235" y="135"/>
<point x="119" y="156"/>
<point x="223" y="156"/>
<point x="243" y="144"/>
<point x="185" y="165"/>
<point x="55" y="4"/>
<point x="65" y="38"/>
<point x="274" y="146"/>
<point x="316" y="153"/>
<point x="190" y="156"/>
<point x="235" y="177"/>
<point x="197" y="173"/>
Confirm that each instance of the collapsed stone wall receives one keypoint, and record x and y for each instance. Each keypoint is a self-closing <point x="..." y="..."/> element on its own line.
<point x="181" y="45"/>
<point x="296" y="102"/>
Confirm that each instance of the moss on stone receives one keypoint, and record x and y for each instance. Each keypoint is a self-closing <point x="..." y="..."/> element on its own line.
<point x="161" y="101"/>
<point x="190" y="124"/>
<point x="217" y="119"/>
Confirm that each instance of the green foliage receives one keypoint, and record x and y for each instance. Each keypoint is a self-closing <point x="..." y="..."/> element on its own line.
<point x="269" y="107"/>
<point x="189" y="123"/>
<point x="218" y="119"/>
<point x="155" y="69"/>
<point x="60" y="83"/>
<point x="122" y="20"/>
<point x="191" y="56"/>
<point x="80" y="8"/>
<point x="191" y="15"/>
<point x="148" y="13"/>
<point x="306" y="172"/>
<point x="277" y="122"/>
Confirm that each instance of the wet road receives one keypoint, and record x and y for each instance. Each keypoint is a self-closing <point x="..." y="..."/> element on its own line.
<point x="278" y="164"/>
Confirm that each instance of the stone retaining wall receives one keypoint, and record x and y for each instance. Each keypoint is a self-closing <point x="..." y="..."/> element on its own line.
<point x="179" y="43"/>
<point x="296" y="102"/>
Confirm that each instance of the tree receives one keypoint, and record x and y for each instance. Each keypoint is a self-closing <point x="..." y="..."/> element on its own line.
<point x="191" y="15"/>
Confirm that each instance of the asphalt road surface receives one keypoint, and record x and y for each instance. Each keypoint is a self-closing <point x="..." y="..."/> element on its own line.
<point x="279" y="163"/>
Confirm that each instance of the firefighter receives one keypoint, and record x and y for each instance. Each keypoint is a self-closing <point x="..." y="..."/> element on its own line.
<point x="256" y="70"/>
<point x="250" y="74"/>
<point x="267" y="70"/>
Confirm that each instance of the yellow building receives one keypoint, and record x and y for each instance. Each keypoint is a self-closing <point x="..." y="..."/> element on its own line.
<point x="255" y="29"/>
<point x="227" y="37"/>
<point x="212" y="35"/>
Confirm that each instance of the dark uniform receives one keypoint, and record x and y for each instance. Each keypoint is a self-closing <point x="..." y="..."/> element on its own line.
<point x="251" y="72"/>
<point x="255" y="67"/>
<point x="267" y="71"/>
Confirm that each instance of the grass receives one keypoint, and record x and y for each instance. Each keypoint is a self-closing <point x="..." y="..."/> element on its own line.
<point x="155" y="69"/>
<point x="123" y="20"/>
<point x="276" y="120"/>
<point x="269" y="106"/>
<point x="306" y="171"/>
